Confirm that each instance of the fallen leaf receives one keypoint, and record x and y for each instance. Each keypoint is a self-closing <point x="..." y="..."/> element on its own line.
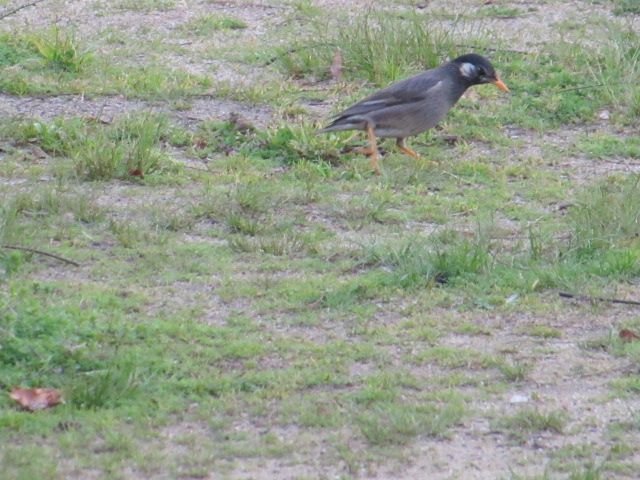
<point x="627" y="335"/>
<point x="200" y="144"/>
<point x="336" y="66"/>
<point x="33" y="399"/>
<point x="136" y="172"/>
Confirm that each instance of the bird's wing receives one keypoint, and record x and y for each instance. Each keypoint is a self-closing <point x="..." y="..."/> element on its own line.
<point x="411" y="90"/>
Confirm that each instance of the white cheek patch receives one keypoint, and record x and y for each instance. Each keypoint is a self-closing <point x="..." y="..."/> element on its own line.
<point x="468" y="70"/>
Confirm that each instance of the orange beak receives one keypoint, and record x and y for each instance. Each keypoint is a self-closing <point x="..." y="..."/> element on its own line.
<point x="500" y="84"/>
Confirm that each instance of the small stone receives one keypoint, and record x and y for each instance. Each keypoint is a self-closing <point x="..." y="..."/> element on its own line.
<point x="604" y="115"/>
<point x="519" y="398"/>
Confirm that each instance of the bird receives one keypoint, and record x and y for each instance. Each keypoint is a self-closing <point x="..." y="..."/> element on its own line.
<point x="414" y="105"/>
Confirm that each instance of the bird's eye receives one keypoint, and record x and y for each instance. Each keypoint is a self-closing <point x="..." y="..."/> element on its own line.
<point x="481" y="72"/>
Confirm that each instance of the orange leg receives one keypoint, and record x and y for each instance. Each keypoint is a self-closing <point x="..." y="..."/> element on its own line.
<point x="373" y="148"/>
<point x="404" y="149"/>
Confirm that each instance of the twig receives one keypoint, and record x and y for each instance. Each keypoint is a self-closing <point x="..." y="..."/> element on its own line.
<point x="17" y="9"/>
<point x="589" y="298"/>
<point x="40" y="252"/>
<point x="493" y="49"/>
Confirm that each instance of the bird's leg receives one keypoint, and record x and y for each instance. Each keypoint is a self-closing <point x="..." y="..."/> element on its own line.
<point x="404" y="149"/>
<point x="373" y="148"/>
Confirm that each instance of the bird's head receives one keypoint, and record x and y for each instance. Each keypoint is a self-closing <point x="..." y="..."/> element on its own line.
<point x="476" y="70"/>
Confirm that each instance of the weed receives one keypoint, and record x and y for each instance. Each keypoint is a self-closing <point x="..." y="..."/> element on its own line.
<point x="60" y="50"/>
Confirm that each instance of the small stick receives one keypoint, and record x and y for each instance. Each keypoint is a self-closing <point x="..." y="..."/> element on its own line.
<point x="17" y="9"/>
<point x="493" y="49"/>
<point x="40" y="252"/>
<point x="589" y="298"/>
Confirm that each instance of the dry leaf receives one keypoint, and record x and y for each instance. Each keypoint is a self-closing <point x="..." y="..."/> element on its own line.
<point x="136" y="172"/>
<point x="200" y="144"/>
<point x="33" y="399"/>
<point x="627" y="335"/>
<point x="336" y="66"/>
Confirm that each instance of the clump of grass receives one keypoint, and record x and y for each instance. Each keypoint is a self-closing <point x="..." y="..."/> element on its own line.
<point x="531" y="421"/>
<point x="60" y="50"/>
<point x="53" y="137"/>
<point x="13" y="51"/>
<point x="606" y="217"/>
<point x="130" y="147"/>
<point x="607" y="146"/>
<point x="145" y="5"/>
<point x="8" y="222"/>
<point x="106" y="388"/>
<point x="388" y="423"/>
<point x="282" y="244"/>
<point x="616" y="66"/>
<point x="443" y="259"/>
<point x="376" y="45"/>
<point x="572" y="81"/>
<point x="626" y="7"/>
<point x="287" y="144"/>
<point x="208" y="23"/>
<point x="543" y="331"/>
<point x="514" y="372"/>
<point x="501" y="11"/>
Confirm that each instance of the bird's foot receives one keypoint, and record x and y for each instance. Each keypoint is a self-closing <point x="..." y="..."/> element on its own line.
<point x="408" y="151"/>
<point x="368" y="151"/>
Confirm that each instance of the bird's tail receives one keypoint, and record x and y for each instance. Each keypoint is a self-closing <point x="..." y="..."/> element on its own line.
<point x="344" y="123"/>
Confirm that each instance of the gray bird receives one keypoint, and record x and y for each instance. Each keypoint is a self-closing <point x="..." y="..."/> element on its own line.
<point x="415" y="104"/>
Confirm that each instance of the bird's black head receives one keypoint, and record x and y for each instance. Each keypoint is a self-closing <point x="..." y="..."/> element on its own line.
<point x="475" y="69"/>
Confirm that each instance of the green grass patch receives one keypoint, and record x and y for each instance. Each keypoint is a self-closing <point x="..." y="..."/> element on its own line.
<point x="60" y="50"/>
<point x="626" y="7"/>
<point x="531" y="421"/>
<point x="209" y="23"/>
<point x="610" y="146"/>
<point x="378" y="46"/>
<point x="387" y="423"/>
<point x="130" y="148"/>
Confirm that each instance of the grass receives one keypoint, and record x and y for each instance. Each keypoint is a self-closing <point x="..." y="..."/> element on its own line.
<point x="375" y="46"/>
<point x="530" y="422"/>
<point x="207" y="24"/>
<point x="250" y="294"/>
<point x="626" y="7"/>
<point x="60" y="50"/>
